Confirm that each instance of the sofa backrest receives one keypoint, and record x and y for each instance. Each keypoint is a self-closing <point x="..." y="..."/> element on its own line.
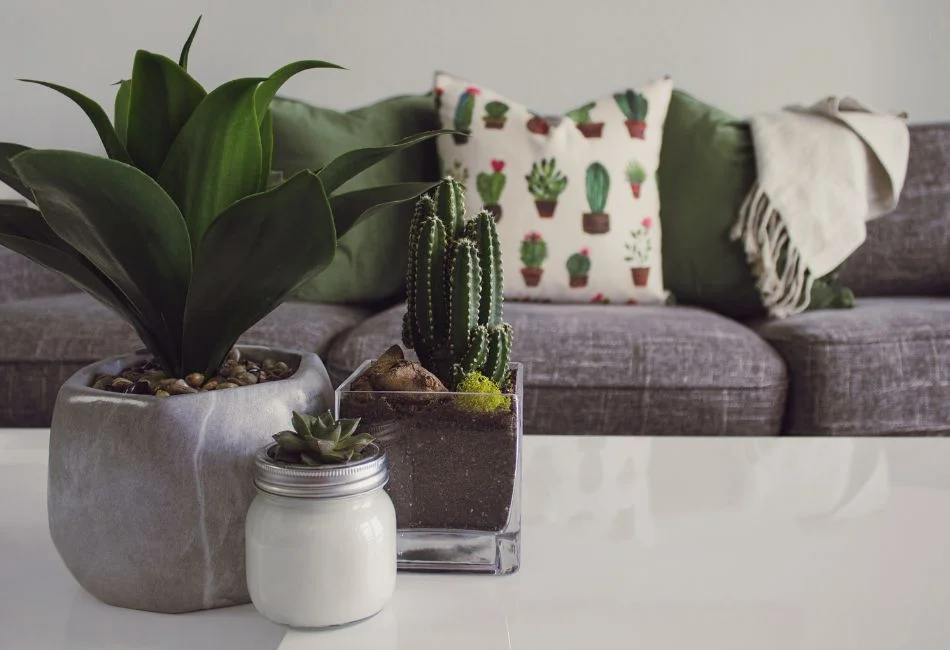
<point x="908" y="251"/>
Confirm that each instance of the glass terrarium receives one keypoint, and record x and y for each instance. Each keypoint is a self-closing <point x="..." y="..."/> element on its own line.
<point x="455" y="472"/>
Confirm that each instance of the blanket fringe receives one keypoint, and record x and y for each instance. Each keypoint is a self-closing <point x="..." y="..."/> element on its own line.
<point x="784" y="289"/>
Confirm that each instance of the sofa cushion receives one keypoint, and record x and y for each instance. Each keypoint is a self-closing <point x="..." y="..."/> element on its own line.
<point x="905" y="253"/>
<point x="617" y="370"/>
<point x="881" y="368"/>
<point x="45" y="340"/>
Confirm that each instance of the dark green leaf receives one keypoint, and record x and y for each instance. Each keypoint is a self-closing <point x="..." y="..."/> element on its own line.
<point x="349" y="427"/>
<point x="163" y="97"/>
<point x="267" y="150"/>
<point x="301" y="424"/>
<point x="216" y="158"/>
<point x="183" y="59"/>
<point x="121" y="117"/>
<point x="125" y="225"/>
<point x="251" y="258"/>
<point x="98" y="117"/>
<point x="307" y="459"/>
<point x="351" y="208"/>
<point x="270" y="86"/>
<point x="8" y="175"/>
<point x="346" y="166"/>
<point x="23" y="230"/>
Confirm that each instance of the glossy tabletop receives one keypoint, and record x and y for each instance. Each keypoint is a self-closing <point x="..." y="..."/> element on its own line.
<point x="675" y="543"/>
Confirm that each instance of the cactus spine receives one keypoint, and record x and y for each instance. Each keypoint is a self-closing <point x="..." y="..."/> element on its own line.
<point x="454" y="290"/>
<point x="598" y="185"/>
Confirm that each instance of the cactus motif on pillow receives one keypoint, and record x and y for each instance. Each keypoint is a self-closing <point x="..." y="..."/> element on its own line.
<point x="577" y="190"/>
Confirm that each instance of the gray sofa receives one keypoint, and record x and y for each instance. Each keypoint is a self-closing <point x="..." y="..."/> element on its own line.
<point x="882" y="368"/>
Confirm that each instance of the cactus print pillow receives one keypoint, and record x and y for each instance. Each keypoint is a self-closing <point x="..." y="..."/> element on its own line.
<point x="575" y="197"/>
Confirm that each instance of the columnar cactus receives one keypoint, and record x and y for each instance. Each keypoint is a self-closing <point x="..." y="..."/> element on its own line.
<point x="598" y="185"/>
<point x="454" y="290"/>
<point x="464" y="111"/>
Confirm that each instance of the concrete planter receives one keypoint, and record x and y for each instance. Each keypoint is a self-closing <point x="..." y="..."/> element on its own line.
<point x="148" y="495"/>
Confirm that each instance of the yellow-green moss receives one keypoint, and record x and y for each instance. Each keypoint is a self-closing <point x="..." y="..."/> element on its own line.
<point x="490" y="398"/>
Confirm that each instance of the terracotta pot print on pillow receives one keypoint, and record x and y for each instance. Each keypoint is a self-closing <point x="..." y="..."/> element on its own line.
<point x="635" y="107"/>
<point x="545" y="183"/>
<point x="585" y="123"/>
<point x="495" y="115"/>
<point x="636" y="176"/>
<point x="572" y="194"/>
<point x="578" y="268"/>
<point x="597" y="222"/>
<point x="490" y="186"/>
<point x="639" y="252"/>
<point x="534" y="251"/>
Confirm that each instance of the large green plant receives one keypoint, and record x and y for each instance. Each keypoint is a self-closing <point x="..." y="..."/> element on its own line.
<point x="178" y="231"/>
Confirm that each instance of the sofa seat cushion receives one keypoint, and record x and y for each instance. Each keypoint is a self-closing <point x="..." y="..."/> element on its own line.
<point x="45" y="340"/>
<point x="881" y="368"/>
<point x="617" y="370"/>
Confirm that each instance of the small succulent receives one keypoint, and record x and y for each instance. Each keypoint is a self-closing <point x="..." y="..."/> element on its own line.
<point x="545" y="182"/>
<point x="320" y="440"/>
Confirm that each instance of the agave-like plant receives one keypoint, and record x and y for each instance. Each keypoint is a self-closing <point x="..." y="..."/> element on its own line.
<point x="179" y="230"/>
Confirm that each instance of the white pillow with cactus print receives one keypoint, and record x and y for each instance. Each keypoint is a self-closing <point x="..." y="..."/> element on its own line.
<point x="575" y="197"/>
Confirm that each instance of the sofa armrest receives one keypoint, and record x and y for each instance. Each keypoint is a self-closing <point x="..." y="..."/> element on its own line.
<point x="23" y="278"/>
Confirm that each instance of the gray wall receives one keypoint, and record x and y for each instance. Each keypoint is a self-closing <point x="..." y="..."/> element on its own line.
<point x="745" y="55"/>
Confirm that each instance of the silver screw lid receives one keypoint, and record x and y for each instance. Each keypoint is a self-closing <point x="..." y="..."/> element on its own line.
<point x="321" y="481"/>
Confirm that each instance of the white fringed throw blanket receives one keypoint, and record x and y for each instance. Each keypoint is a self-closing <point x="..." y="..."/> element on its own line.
<point x="823" y="172"/>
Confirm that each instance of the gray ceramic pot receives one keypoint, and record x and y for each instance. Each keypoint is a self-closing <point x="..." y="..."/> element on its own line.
<point x="148" y="495"/>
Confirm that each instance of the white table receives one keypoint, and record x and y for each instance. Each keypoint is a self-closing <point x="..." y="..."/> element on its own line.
<point x="767" y="544"/>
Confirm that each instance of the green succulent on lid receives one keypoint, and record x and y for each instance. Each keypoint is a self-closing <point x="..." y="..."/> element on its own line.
<point x="320" y="440"/>
<point x="181" y="230"/>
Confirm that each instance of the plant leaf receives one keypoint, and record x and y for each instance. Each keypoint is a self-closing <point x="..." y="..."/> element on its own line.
<point x="267" y="150"/>
<point x="125" y="225"/>
<point x="270" y="86"/>
<point x="183" y="58"/>
<point x="301" y="424"/>
<point x="307" y="459"/>
<point x="121" y="117"/>
<point x="352" y="208"/>
<point x="8" y="174"/>
<point x="110" y="139"/>
<point x="349" y="427"/>
<point x="251" y="258"/>
<point x="163" y="97"/>
<point x="347" y="165"/>
<point x="24" y="231"/>
<point x="289" y="441"/>
<point x="216" y="158"/>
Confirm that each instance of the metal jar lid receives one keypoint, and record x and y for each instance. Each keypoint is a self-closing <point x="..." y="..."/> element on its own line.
<point x="322" y="481"/>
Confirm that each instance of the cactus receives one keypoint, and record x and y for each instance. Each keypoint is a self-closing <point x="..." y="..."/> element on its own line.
<point x="496" y="110"/>
<point x="598" y="185"/>
<point x="490" y="186"/>
<point x="534" y="251"/>
<point x="464" y="111"/>
<point x="578" y="264"/>
<point x="545" y="182"/>
<point x="581" y="115"/>
<point x="454" y="290"/>
<point x="320" y="440"/>
<point x="636" y="173"/>
<point x="640" y="106"/>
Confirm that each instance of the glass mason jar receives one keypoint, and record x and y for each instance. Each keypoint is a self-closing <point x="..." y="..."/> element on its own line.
<point x="321" y="541"/>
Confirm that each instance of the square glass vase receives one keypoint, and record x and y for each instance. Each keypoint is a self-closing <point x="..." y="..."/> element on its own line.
<point x="454" y="472"/>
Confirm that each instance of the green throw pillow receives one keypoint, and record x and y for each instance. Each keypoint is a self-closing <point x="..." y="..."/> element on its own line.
<point x="370" y="263"/>
<point x="707" y="167"/>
